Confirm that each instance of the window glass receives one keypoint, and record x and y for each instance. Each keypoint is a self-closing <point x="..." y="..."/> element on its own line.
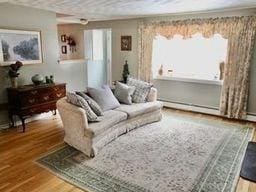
<point x="196" y="57"/>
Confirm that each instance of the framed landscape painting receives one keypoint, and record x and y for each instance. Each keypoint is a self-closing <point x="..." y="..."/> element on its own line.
<point x="24" y="46"/>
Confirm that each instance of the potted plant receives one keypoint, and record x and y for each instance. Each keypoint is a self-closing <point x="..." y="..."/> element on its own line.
<point x="126" y="72"/>
<point x="13" y="73"/>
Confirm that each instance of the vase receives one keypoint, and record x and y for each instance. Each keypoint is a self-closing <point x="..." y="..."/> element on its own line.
<point x="37" y="79"/>
<point x="161" y="70"/>
<point x="14" y="82"/>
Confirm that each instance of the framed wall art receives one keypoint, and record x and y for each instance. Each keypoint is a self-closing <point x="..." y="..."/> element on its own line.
<point x="24" y="46"/>
<point x="126" y="43"/>
<point x="64" y="49"/>
<point x="63" y="38"/>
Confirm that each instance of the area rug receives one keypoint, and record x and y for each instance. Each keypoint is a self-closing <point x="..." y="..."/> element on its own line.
<point x="178" y="154"/>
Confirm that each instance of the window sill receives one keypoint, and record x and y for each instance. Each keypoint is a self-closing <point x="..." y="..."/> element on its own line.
<point x="189" y="80"/>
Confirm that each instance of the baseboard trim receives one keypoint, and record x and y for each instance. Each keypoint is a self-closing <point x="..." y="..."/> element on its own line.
<point x="191" y="108"/>
<point x="30" y="119"/>
<point x="251" y="117"/>
<point x="200" y="109"/>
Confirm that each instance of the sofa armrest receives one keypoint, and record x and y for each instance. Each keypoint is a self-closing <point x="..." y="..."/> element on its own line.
<point x="152" y="96"/>
<point x="74" y="118"/>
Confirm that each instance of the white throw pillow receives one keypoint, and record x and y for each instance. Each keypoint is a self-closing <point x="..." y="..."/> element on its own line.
<point x="104" y="97"/>
<point x="124" y="93"/>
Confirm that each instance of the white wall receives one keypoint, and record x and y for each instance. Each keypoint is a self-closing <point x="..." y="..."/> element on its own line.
<point x="120" y="27"/>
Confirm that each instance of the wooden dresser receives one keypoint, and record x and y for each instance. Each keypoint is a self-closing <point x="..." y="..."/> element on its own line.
<point x="29" y="100"/>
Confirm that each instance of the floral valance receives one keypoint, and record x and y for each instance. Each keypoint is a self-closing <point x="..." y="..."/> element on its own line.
<point x="225" y="26"/>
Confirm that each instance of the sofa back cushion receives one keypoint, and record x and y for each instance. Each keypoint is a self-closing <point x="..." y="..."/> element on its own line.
<point x="81" y="102"/>
<point x="93" y="104"/>
<point x="124" y="93"/>
<point x="104" y="97"/>
<point x="141" y="90"/>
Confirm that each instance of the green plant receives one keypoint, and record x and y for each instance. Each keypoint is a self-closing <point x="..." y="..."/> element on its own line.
<point x="126" y="71"/>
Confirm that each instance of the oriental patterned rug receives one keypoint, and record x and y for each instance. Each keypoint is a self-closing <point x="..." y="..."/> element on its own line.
<point x="179" y="154"/>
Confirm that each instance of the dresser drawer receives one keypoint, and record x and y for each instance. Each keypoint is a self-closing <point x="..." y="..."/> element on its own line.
<point x="46" y="97"/>
<point x="59" y="88"/>
<point x="30" y="93"/>
<point x="59" y="95"/>
<point x="39" y="109"/>
<point x="29" y="101"/>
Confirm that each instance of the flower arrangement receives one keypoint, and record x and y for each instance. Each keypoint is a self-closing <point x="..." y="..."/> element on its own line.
<point x="13" y="73"/>
<point x="14" y="68"/>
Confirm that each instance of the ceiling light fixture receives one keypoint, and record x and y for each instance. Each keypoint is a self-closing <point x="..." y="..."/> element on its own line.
<point x="84" y="21"/>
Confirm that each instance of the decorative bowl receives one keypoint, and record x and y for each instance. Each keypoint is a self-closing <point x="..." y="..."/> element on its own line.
<point x="37" y="79"/>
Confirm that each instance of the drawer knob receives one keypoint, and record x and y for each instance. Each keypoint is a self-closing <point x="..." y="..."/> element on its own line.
<point x="31" y="101"/>
<point x="33" y="92"/>
<point x="46" y="98"/>
<point x="32" y="110"/>
<point x="59" y="94"/>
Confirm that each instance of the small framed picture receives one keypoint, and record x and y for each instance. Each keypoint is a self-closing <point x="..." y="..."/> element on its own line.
<point x="63" y="38"/>
<point x="64" y="49"/>
<point x="126" y="43"/>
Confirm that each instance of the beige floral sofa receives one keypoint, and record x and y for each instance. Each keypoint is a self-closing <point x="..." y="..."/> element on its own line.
<point x="91" y="137"/>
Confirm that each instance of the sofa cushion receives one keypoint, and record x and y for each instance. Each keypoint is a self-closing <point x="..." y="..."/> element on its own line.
<point x="141" y="90"/>
<point x="124" y="93"/>
<point x="81" y="102"/>
<point x="104" y="97"/>
<point x="109" y="119"/>
<point x="93" y="104"/>
<point x="140" y="108"/>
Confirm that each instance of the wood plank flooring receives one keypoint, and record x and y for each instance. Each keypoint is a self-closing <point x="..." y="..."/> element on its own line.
<point x="18" y="152"/>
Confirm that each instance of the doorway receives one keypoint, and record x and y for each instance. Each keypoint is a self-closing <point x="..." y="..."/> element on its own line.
<point x="98" y="56"/>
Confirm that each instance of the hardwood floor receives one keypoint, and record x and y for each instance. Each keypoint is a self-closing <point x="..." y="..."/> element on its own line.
<point x="18" y="152"/>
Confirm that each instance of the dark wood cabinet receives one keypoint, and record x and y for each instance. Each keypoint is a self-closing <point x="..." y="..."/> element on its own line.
<point x="29" y="100"/>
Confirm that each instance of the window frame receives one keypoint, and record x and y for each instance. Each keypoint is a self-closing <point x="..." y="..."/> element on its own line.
<point x="189" y="80"/>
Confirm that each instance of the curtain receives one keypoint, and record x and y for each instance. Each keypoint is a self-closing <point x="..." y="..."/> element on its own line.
<point x="240" y="32"/>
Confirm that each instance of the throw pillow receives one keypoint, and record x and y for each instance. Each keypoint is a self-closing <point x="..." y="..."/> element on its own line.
<point x="141" y="90"/>
<point x="124" y="93"/>
<point x="81" y="102"/>
<point x="93" y="104"/>
<point x="104" y="97"/>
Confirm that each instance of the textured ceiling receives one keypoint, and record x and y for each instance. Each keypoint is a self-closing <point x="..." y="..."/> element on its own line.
<point x="118" y="9"/>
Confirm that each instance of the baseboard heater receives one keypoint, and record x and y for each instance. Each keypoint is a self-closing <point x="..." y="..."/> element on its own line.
<point x="199" y="108"/>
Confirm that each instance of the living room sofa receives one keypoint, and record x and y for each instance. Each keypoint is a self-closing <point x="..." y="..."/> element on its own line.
<point x="90" y="137"/>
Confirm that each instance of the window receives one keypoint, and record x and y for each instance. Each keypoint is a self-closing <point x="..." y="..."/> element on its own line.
<point x="194" y="58"/>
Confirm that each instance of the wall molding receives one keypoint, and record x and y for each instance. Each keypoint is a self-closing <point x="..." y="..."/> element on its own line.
<point x="30" y="119"/>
